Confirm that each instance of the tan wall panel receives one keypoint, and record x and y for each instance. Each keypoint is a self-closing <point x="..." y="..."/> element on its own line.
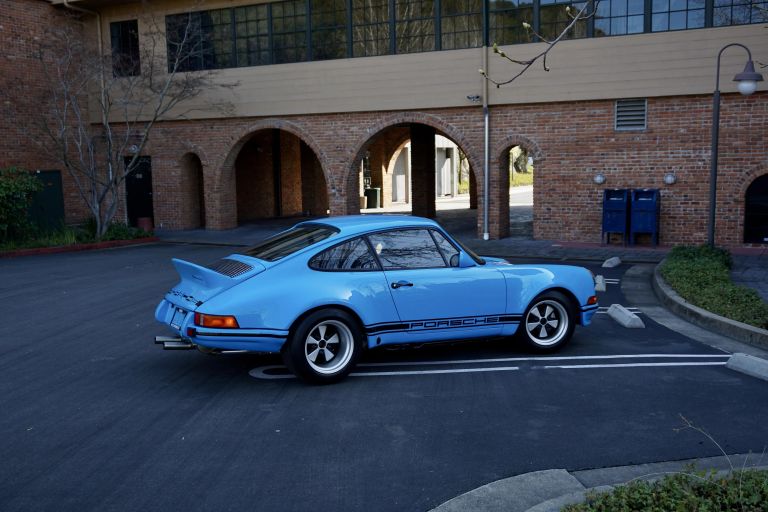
<point x="644" y="65"/>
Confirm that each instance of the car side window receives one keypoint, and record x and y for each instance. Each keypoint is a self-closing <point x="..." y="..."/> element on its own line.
<point x="406" y="249"/>
<point x="354" y="255"/>
<point x="450" y="253"/>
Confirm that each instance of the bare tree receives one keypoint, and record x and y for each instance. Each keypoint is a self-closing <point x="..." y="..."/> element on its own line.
<point x="586" y="11"/>
<point x="98" y="109"/>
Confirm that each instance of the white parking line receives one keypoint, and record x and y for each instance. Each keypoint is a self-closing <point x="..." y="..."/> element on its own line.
<point x="264" y="372"/>
<point x="631" y="365"/>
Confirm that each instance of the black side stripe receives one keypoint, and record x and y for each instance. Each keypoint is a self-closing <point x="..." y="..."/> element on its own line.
<point x="442" y="323"/>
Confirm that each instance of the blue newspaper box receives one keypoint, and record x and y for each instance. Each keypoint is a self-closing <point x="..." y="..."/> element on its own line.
<point x="615" y="213"/>
<point x="644" y="216"/>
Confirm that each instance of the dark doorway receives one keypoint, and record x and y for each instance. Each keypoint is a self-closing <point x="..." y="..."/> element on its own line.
<point x="47" y="208"/>
<point x="138" y="191"/>
<point x="756" y="212"/>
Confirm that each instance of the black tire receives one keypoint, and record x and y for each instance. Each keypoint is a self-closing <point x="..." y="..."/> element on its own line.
<point x="548" y="322"/>
<point x="324" y="346"/>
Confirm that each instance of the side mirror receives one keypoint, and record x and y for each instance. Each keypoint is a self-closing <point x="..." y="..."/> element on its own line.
<point x="464" y="260"/>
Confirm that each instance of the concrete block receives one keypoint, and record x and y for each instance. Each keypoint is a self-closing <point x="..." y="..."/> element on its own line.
<point x="599" y="283"/>
<point x="612" y="262"/>
<point x="750" y="365"/>
<point x="624" y="317"/>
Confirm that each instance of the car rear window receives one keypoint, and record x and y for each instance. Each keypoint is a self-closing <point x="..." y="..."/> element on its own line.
<point x="289" y="242"/>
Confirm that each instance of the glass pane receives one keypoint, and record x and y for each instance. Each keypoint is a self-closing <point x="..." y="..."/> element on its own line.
<point x="350" y="256"/>
<point x="677" y="20"/>
<point x="636" y="7"/>
<point x="618" y="26"/>
<point x="602" y="27"/>
<point x="660" y="5"/>
<point x="405" y="249"/>
<point x="721" y="16"/>
<point x="696" y="18"/>
<point x="660" y="22"/>
<point x="635" y="24"/>
<point x="446" y="247"/>
<point x="677" y="5"/>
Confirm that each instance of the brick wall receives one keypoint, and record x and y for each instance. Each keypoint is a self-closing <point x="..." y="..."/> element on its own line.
<point x="570" y="143"/>
<point x="23" y="25"/>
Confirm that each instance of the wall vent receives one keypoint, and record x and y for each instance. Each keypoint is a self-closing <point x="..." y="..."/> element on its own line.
<point x="631" y="114"/>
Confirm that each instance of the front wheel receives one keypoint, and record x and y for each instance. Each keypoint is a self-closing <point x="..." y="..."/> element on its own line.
<point x="324" y="346"/>
<point x="548" y="323"/>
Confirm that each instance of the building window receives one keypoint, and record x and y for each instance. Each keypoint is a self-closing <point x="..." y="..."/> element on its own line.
<point x="329" y="29"/>
<point x="461" y="24"/>
<point x="739" y="12"/>
<point x="414" y="26"/>
<point x="370" y="27"/>
<point x="677" y="14"/>
<point x="631" y="114"/>
<point x="125" y="48"/>
<point x="200" y="40"/>
<point x="506" y="19"/>
<point x="252" y="35"/>
<point x="616" y="17"/>
<point x="289" y="31"/>
<point x="553" y="19"/>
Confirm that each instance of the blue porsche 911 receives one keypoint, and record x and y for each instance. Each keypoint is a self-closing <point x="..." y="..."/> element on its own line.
<point x="325" y="290"/>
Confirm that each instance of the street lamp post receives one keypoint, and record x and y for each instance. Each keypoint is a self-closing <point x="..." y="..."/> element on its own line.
<point x="747" y="85"/>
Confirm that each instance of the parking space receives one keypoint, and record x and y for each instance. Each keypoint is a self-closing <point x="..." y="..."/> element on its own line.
<point x="97" y="417"/>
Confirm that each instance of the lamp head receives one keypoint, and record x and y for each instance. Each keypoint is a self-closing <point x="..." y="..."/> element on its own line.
<point x="748" y="79"/>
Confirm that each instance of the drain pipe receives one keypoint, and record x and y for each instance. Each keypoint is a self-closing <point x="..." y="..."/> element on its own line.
<point x="486" y="149"/>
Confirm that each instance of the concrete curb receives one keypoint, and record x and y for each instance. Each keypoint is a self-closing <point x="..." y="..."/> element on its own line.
<point x="551" y="490"/>
<point x="750" y="365"/>
<point x="78" y="247"/>
<point x="698" y="316"/>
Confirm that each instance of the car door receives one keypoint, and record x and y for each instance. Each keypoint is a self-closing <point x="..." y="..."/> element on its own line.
<point x="435" y="300"/>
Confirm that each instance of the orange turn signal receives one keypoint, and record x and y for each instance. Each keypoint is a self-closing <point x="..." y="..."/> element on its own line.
<point x="216" y="321"/>
<point x="592" y="300"/>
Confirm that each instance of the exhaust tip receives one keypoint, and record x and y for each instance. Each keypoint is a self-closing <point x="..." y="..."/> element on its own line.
<point x="177" y="345"/>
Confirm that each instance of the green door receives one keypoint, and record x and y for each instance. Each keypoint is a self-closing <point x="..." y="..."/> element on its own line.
<point x="47" y="208"/>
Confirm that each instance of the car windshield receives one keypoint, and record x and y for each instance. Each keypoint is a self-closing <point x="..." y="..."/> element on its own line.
<point x="288" y="242"/>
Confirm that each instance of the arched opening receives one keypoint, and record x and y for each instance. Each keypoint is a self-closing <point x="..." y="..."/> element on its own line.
<point x="756" y="212"/>
<point x="517" y="158"/>
<point x="416" y="169"/>
<point x="278" y="175"/>
<point x="192" y="191"/>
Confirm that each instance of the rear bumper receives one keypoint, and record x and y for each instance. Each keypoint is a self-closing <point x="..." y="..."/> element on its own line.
<point x="587" y="312"/>
<point x="181" y="322"/>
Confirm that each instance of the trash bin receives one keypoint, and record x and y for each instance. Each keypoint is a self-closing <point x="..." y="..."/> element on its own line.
<point x="373" y="195"/>
<point x="615" y="213"/>
<point x="644" y="208"/>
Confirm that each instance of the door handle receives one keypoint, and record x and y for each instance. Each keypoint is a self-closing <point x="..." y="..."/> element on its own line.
<point x="401" y="284"/>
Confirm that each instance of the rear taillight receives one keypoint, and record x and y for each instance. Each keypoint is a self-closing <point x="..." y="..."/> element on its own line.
<point x="216" y="321"/>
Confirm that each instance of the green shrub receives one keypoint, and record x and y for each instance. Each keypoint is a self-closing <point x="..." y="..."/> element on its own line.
<point x="745" y="491"/>
<point x="115" y="231"/>
<point x="701" y="275"/>
<point x="16" y="189"/>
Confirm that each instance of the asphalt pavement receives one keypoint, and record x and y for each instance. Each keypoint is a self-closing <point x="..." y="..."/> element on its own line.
<point x="96" y="418"/>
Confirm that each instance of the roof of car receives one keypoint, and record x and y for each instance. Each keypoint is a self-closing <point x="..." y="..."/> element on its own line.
<point x="351" y="224"/>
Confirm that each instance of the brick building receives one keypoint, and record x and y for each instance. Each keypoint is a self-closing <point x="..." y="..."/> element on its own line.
<point x="330" y="92"/>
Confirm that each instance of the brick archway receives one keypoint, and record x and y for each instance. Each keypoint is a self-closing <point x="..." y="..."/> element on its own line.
<point x="361" y="145"/>
<point x="740" y="187"/>
<point x="500" y="162"/>
<point x="225" y="179"/>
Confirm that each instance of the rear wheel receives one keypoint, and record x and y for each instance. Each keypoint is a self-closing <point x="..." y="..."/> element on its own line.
<point x="324" y="346"/>
<point x="549" y="322"/>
